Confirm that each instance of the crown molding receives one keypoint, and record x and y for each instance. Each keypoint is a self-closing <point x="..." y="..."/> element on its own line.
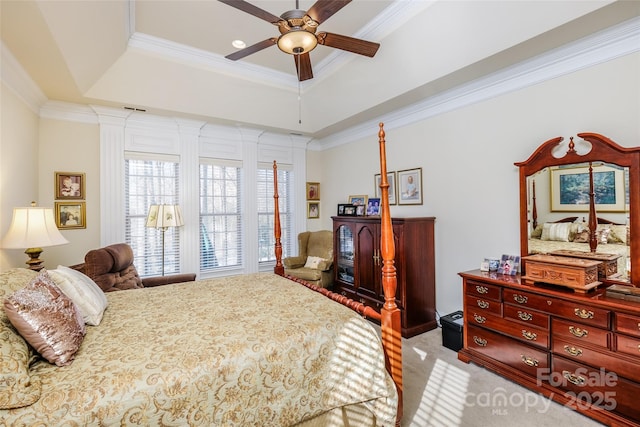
<point x="606" y="45"/>
<point x="18" y="81"/>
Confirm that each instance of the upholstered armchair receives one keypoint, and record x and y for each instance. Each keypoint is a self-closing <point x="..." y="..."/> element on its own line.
<point x="315" y="258"/>
<point x="112" y="269"/>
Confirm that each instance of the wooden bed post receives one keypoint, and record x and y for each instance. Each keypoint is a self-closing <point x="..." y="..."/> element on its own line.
<point x="277" y="230"/>
<point x="390" y="313"/>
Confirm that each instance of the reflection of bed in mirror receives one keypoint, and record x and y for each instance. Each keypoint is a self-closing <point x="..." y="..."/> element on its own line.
<point x="572" y="234"/>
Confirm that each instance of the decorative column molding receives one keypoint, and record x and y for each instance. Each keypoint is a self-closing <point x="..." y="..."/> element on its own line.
<point x="189" y="131"/>
<point x="250" y="139"/>
<point x="112" y="213"/>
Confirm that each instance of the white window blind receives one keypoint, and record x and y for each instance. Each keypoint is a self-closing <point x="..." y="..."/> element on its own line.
<point x="151" y="181"/>
<point x="266" y="211"/>
<point x="220" y="215"/>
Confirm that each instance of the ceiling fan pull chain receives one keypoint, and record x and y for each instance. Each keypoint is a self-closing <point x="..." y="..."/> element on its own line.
<point x="299" y="102"/>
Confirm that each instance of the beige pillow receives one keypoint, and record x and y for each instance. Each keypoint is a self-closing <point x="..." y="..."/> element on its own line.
<point x="83" y="291"/>
<point x="313" y="262"/>
<point x="47" y="319"/>
<point x="558" y="232"/>
<point x="618" y="234"/>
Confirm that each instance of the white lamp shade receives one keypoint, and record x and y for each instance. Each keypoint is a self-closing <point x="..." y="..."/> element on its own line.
<point x="163" y="216"/>
<point x="32" y="227"/>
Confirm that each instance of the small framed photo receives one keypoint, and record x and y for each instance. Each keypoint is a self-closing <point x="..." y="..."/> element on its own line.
<point x="410" y="183"/>
<point x="391" y="179"/>
<point x="69" y="185"/>
<point x="509" y="265"/>
<point x="313" y="210"/>
<point x="70" y="215"/>
<point x="358" y="200"/>
<point x="373" y="206"/>
<point x="361" y="210"/>
<point x="313" y="191"/>
<point x="346" y="210"/>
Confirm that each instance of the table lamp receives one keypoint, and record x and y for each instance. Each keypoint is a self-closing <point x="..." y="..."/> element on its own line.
<point x="33" y="228"/>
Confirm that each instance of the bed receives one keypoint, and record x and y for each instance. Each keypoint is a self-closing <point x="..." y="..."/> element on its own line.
<point x="258" y="349"/>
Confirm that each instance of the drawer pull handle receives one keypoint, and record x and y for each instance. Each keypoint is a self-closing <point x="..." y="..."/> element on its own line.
<point x="482" y="289"/>
<point x="573" y="351"/>
<point x="520" y="299"/>
<point x="525" y="316"/>
<point x="531" y="336"/>
<point x="583" y="314"/>
<point x="573" y="378"/>
<point x="483" y="304"/>
<point x="530" y="361"/>
<point x="578" y="332"/>
<point x="480" y="341"/>
<point x="479" y="319"/>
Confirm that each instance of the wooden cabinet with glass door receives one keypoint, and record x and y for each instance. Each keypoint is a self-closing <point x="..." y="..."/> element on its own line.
<point x="358" y="267"/>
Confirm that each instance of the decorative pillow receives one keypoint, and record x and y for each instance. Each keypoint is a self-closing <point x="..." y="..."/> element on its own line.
<point x="47" y="319"/>
<point x="313" y="262"/>
<point x="582" y="237"/>
<point x="603" y="235"/>
<point x="558" y="232"/>
<point x="83" y="291"/>
<point x="537" y="232"/>
<point x="618" y="234"/>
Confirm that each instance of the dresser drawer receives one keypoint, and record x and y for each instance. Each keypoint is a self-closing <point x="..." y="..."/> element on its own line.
<point x="627" y="324"/>
<point x="567" y="309"/>
<point x="474" y="302"/>
<point x="591" y="386"/>
<point x="628" y="345"/>
<point x="578" y="332"/>
<point x="484" y="290"/>
<point x="524" y="314"/>
<point x="623" y="365"/>
<point x="527" y="333"/>
<point x="506" y="350"/>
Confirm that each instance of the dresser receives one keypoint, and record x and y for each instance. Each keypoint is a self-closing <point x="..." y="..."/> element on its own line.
<point x="358" y="267"/>
<point x="582" y="350"/>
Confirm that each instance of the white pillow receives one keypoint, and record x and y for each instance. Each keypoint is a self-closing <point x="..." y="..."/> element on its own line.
<point x="558" y="232"/>
<point x="313" y="262"/>
<point x="83" y="291"/>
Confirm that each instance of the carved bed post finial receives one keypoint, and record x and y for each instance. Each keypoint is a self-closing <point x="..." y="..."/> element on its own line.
<point x="390" y="313"/>
<point x="279" y="268"/>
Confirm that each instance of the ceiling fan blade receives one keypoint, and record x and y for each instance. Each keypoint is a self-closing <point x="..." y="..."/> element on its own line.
<point x="350" y="44"/>
<point x="252" y="10"/>
<point x="252" y="49"/>
<point x="324" y="9"/>
<point x="303" y="66"/>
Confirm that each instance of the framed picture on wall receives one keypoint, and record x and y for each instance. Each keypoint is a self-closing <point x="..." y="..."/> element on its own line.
<point x="410" y="184"/>
<point x="70" y="215"/>
<point x="391" y="179"/>
<point x="313" y="210"/>
<point x="69" y="185"/>
<point x="313" y="191"/>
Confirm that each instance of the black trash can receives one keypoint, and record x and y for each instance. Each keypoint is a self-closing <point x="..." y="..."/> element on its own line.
<point x="452" y="330"/>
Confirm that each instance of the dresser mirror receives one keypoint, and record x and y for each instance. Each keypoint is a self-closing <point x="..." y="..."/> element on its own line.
<point x="583" y="195"/>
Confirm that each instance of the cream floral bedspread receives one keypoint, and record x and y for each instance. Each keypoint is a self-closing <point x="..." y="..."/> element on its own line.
<point x="256" y="350"/>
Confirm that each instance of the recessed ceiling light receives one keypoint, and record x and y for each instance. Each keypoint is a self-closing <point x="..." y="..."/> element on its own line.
<point x="238" y="44"/>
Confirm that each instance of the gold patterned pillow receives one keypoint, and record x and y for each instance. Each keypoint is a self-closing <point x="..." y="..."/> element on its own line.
<point x="47" y="319"/>
<point x="17" y="389"/>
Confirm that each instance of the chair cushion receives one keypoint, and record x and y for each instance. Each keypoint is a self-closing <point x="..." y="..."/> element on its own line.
<point x="309" y="274"/>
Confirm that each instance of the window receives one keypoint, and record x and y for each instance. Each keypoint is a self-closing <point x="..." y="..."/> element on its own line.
<point x="266" y="211"/>
<point x="220" y="215"/>
<point x="151" y="181"/>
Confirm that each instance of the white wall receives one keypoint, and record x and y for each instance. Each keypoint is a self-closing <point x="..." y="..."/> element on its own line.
<point x="18" y="166"/>
<point x="467" y="158"/>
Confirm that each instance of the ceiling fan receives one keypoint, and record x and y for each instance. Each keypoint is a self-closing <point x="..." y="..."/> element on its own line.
<point x="298" y="33"/>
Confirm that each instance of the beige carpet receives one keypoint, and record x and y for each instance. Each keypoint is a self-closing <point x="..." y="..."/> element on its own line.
<point x="440" y="390"/>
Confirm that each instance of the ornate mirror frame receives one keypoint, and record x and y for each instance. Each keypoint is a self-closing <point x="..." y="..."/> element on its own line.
<point x="602" y="149"/>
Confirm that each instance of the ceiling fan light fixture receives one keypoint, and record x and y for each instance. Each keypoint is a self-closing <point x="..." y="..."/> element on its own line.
<point x="296" y="42"/>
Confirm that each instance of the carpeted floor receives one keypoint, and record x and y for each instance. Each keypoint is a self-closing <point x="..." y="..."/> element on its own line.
<point x="440" y="390"/>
